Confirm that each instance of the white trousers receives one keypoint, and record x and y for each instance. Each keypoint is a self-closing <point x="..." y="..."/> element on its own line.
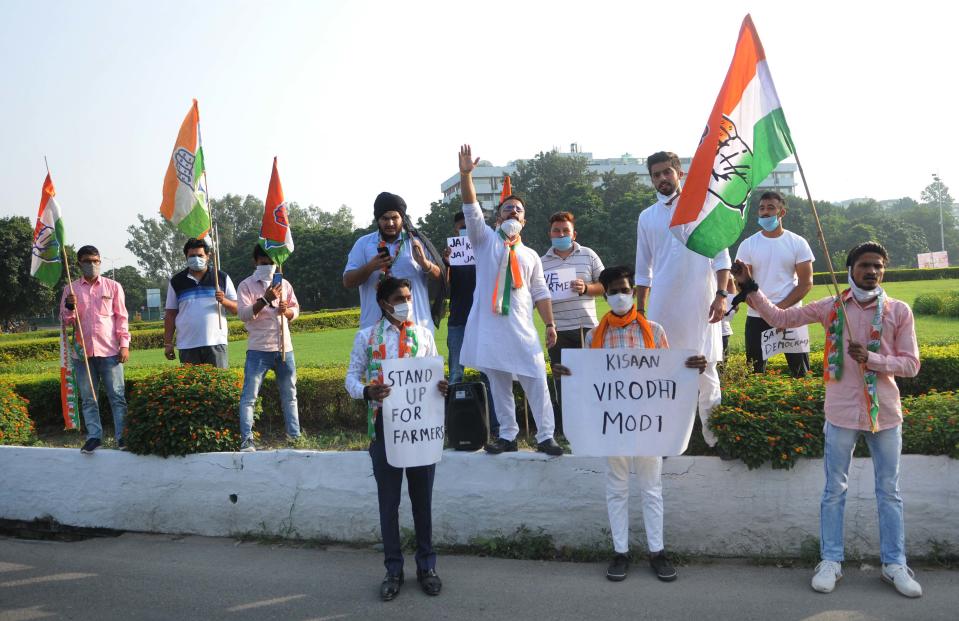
<point x="649" y="475"/>
<point x="709" y="397"/>
<point x="537" y="393"/>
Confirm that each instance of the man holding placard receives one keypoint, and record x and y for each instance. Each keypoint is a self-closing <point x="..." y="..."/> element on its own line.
<point x="781" y="263"/>
<point x="625" y="328"/>
<point x="405" y="425"/>
<point x="572" y="274"/>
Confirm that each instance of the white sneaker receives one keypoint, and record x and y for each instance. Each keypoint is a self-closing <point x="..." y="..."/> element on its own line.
<point x="247" y="446"/>
<point x="827" y="574"/>
<point x="901" y="577"/>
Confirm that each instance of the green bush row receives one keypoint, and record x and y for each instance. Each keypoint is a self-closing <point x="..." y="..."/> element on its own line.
<point x="894" y="275"/>
<point x="945" y="304"/>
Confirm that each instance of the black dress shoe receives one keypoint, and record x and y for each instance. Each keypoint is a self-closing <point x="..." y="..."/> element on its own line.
<point x="663" y="569"/>
<point x="550" y="447"/>
<point x="429" y="581"/>
<point x="499" y="445"/>
<point x="391" y="586"/>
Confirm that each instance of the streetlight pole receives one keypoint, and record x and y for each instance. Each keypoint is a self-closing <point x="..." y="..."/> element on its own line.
<point x="942" y="233"/>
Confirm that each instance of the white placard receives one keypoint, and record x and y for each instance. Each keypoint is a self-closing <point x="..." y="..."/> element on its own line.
<point x="628" y="402"/>
<point x="789" y="341"/>
<point x="461" y="251"/>
<point x="413" y="414"/>
<point x="560" y="283"/>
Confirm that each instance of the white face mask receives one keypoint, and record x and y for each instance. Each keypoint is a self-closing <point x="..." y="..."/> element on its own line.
<point x="196" y="263"/>
<point x="863" y="296"/>
<point x="511" y="227"/>
<point x="620" y="303"/>
<point x="667" y="200"/>
<point x="264" y="272"/>
<point x="402" y="312"/>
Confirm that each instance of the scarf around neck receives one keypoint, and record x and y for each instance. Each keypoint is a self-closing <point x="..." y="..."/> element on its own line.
<point x="376" y="352"/>
<point x="509" y="276"/>
<point x="614" y="320"/>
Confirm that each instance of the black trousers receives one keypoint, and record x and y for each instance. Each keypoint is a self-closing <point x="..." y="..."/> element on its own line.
<point x="208" y="354"/>
<point x="566" y="339"/>
<point x="389" y="488"/>
<point x="798" y="363"/>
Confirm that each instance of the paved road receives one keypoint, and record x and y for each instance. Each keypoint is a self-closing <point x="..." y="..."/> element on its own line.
<point x="138" y="576"/>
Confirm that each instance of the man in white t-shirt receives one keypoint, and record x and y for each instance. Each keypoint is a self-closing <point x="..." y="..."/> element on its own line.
<point x="781" y="263"/>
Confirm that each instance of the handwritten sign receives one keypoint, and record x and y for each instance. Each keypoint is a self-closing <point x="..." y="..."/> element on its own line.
<point x="413" y="414"/>
<point x="560" y="283"/>
<point x="788" y="341"/>
<point x="461" y="251"/>
<point x="628" y="402"/>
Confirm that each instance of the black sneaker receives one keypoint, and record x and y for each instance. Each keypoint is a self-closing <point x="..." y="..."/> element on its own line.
<point x="121" y="445"/>
<point x="429" y="581"/>
<point x="391" y="586"/>
<point x="550" y="447"/>
<point x="663" y="569"/>
<point x="617" y="568"/>
<point x="499" y="445"/>
<point x="91" y="445"/>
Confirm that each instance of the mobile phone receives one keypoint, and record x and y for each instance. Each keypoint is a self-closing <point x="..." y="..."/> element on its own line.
<point x="384" y="252"/>
<point x="277" y="279"/>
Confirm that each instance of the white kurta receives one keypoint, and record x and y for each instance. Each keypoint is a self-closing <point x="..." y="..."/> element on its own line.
<point x="682" y="284"/>
<point x="507" y="343"/>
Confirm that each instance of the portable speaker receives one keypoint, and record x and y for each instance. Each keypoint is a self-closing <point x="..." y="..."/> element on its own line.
<point x="467" y="416"/>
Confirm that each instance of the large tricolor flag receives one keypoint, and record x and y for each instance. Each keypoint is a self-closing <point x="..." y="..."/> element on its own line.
<point x="745" y="139"/>
<point x="275" y="237"/>
<point x="46" y="262"/>
<point x="70" y="355"/>
<point x="184" y="198"/>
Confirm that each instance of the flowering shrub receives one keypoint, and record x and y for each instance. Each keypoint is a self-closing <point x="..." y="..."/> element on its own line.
<point x="15" y="424"/>
<point x="930" y="424"/>
<point x="184" y="409"/>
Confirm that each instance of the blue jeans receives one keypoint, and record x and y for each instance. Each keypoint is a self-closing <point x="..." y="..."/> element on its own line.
<point x="885" y="448"/>
<point x="454" y="342"/>
<point x="257" y="364"/>
<point x="110" y="371"/>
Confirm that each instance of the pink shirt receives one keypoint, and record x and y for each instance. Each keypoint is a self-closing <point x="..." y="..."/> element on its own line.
<point x="898" y="354"/>
<point x="264" y="327"/>
<point x="103" y="315"/>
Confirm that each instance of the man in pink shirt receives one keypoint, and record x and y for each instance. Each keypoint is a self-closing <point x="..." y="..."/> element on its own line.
<point x="100" y="305"/>
<point x="870" y="339"/>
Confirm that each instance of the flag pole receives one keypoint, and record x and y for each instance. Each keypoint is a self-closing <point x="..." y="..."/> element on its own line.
<point x="216" y="241"/>
<point x="76" y="310"/>
<point x="282" y="319"/>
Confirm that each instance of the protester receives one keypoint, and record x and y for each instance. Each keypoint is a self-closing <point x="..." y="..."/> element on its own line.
<point x="501" y="339"/>
<point x="266" y="304"/>
<point x="685" y="291"/>
<point x="624" y="327"/>
<point x="577" y="315"/>
<point x="99" y="304"/>
<point x="727" y="322"/>
<point x="193" y="301"/>
<point x="870" y="339"/>
<point x="462" y="285"/>
<point x="781" y="263"/>
<point x="394" y="335"/>
<point x="389" y="251"/>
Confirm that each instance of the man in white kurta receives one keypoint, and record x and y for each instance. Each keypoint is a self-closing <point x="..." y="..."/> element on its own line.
<point x="684" y="294"/>
<point x="503" y="345"/>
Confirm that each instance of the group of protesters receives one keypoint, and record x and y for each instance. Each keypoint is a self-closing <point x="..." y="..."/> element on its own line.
<point x="671" y="297"/>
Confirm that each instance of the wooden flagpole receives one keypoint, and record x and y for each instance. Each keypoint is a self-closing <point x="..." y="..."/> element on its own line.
<point x="216" y="241"/>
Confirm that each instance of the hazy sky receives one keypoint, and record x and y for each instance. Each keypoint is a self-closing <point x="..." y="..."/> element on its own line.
<point x="360" y="97"/>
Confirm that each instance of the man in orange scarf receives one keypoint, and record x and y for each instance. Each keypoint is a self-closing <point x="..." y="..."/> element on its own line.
<point x="624" y="327"/>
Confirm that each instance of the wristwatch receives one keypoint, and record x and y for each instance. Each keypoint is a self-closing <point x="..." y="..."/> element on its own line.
<point x="721" y="292"/>
<point x="550" y="325"/>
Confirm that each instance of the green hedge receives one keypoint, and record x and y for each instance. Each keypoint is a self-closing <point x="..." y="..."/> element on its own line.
<point x="16" y="426"/>
<point x="893" y="275"/>
<point x="945" y="304"/>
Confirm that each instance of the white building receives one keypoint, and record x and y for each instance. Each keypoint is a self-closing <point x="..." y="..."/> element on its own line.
<point x="488" y="179"/>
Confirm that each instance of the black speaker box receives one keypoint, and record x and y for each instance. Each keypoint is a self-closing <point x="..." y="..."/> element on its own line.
<point x="467" y="416"/>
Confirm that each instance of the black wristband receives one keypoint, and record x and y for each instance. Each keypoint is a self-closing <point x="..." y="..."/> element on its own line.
<point x="745" y="289"/>
<point x="366" y="394"/>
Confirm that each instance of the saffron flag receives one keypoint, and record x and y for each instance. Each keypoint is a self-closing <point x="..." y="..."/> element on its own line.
<point x="745" y="139"/>
<point x="69" y="392"/>
<point x="507" y="190"/>
<point x="275" y="237"/>
<point x="46" y="262"/>
<point x="184" y="198"/>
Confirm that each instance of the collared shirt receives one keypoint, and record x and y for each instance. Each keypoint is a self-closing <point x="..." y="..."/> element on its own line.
<point x="360" y="356"/>
<point x="578" y="312"/>
<point x="198" y="322"/>
<point x="264" y="327"/>
<point x="403" y="266"/>
<point x="103" y="315"/>
<point x="898" y="354"/>
<point x="462" y="286"/>
<point x="630" y="336"/>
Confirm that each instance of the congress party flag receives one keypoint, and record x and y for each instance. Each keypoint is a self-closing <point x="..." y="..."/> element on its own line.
<point x="745" y="138"/>
<point x="46" y="261"/>
<point x="275" y="237"/>
<point x="70" y="355"/>
<point x="184" y="198"/>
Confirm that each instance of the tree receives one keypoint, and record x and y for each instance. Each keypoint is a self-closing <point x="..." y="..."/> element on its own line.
<point x="23" y="295"/>
<point x="134" y="287"/>
<point x="937" y="193"/>
<point x="158" y="246"/>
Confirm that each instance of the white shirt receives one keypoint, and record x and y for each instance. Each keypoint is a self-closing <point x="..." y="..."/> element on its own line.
<point x="682" y="284"/>
<point x="507" y="343"/>
<point x="197" y="320"/>
<point x="773" y="261"/>
<point x="360" y="356"/>
<point x="403" y="266"/>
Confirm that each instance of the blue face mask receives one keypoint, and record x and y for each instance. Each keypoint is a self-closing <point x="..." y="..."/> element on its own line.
<point x="562" y="243"/>
<point x="770" y="223"/>
<point x="462" y="232"/>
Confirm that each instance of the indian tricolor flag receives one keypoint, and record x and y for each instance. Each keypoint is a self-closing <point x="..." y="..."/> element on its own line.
<point x="70" y="356"/>
<point x="275" y="237"/>
<point x="184" y="198"/>
<point x="745" y="139"/>
<point x="46" y="261"/>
